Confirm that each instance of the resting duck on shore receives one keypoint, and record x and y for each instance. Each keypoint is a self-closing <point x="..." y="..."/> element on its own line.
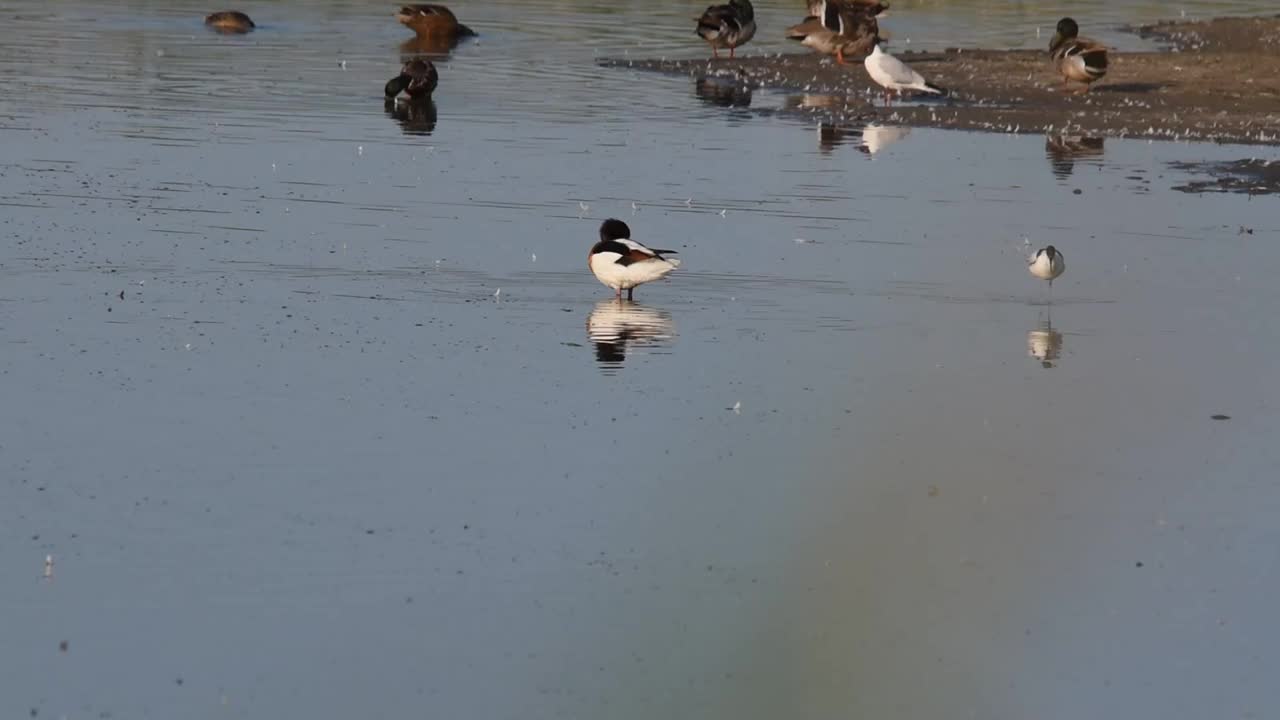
<point x="840" y="28"/>
<point x="434" y="21"/>
<point x="416" y="81"/>
<point x="1076" y="58"/>
<point x="229" y="21"/>
<point x="727" y="26"/>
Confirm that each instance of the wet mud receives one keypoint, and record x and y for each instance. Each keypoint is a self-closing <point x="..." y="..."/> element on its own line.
<point x="1216" y="80"/>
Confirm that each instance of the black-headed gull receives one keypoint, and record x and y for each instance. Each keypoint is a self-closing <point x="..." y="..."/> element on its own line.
<point x="892" y="74"/>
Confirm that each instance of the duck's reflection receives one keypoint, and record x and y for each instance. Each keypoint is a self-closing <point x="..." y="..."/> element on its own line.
<point x="876" y="138"/>
<point x="416" y="117"/>
<point x="431" y="47"/>
<point x="1064" y="150"/>
<point x="722" y="92"/>
<point x="1044" y="343"/>
<point x="812" y="101"/>
<point x="831" y="135"/>
<point x="614" y="325"/>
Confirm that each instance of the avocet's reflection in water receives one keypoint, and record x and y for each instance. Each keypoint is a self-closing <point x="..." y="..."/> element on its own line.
<point x="1044" y="343"/>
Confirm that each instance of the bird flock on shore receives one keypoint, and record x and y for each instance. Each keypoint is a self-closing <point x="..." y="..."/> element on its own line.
<point x="839" y="28"/>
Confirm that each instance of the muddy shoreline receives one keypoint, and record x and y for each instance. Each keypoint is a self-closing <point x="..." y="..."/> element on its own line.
<point x="1217" y="80"/>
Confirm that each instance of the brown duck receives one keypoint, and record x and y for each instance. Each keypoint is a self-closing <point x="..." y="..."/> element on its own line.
<point x="229" y="21"/>
<point x="1076" y="58"/>
<point x="840" y="28"/>
<point x="417" y="80"/>
<point x="434" y="21"/>
<point x="727" y="26"/>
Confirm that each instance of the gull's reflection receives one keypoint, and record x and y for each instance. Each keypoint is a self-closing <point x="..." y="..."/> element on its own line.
<point x="614" y="325"/>
<point x="416" y="117"/>
<point x="876" y="138"/>
<point x="722" y="92"/>
<point x="1064" y="150"/>
<point x="1044" y="343"/>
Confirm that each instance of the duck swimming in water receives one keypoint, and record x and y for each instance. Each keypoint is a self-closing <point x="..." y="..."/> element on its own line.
<point x="416" y="81"/>
<point x="229" y="21"/>
<point x="434" y="21"/>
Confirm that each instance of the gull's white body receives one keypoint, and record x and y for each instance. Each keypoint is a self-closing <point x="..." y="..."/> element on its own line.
<point x="891" y="73"/>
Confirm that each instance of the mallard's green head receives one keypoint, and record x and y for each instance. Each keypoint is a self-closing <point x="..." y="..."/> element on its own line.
<point x="1067" y="30"/>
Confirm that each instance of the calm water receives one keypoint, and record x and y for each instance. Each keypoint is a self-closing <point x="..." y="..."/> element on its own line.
<point x="295" y="455"/>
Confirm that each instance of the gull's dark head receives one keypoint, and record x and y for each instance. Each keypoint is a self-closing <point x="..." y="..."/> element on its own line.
<point x="613" y="229"/>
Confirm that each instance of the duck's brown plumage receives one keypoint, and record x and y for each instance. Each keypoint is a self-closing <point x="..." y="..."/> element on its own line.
<point x="230" y="21"/>
<point x="417" y="79"/>
<point x="433" y="21"/>
<point x="727" y="26"/>
<point x="841" y="28"/>
<point x="1076" y="58"/>
<point x="874" y="7"/>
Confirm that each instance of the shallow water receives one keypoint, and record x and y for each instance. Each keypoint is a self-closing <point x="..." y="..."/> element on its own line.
<point x="319" y="413"/>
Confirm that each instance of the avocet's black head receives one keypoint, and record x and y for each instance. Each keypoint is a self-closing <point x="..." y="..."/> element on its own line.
<point x="744" y="9"/>
<point x="1050" y="251"/>
<point x="612" y="229"/>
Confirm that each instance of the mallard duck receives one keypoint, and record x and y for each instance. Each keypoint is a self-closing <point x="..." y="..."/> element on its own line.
<point x="229" y="21"/>
<point x="417" y="80"/>
<point x="433" y="21"/>
<point x="891" y="73"/>
<point x="622" y="263"/>
<point x="1076" y="58"/>
<point x="840" y="28"/>
<point x="1047" y="264"/>
<point x="727" y="26"/>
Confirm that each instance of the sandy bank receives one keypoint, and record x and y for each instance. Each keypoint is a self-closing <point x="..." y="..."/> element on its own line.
<point x="1218" y="80"/>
